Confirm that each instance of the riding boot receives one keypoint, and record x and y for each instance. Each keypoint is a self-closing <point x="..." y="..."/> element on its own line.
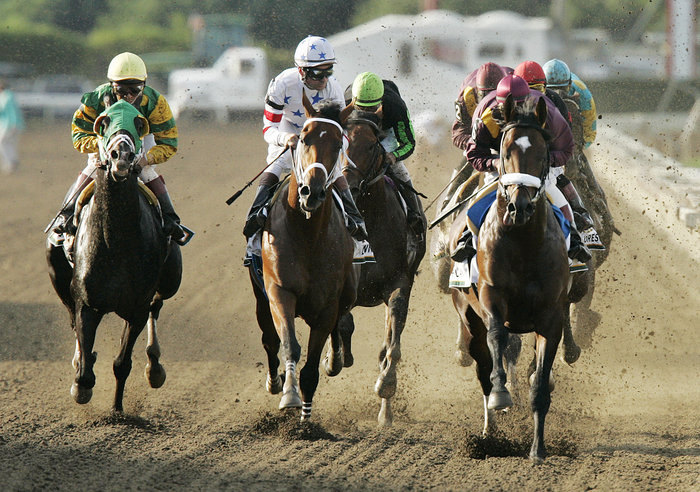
<point x="464" y="250"/>
<point x="257" y="215"/>
<point x="171" y="221"/>
<point x="577" y="249"/>
<point x="414" y="217"/>
<point x="356" y="224"/>
<point x="583" y="219"/>
<point x="64" y="223"/>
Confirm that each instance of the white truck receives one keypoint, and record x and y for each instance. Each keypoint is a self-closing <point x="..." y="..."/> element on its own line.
<point x="237" y="82"/>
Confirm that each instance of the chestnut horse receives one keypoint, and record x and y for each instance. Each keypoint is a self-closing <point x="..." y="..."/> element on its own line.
<point x="307" y="267"/>
<point x="397" y="250"/>
<point x="123" y="261"/>
<point x="523" y="270"/>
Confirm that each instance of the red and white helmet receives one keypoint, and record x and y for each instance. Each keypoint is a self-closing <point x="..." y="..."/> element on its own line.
<point x="514" y="86"/>
<point x="314" y="51"/>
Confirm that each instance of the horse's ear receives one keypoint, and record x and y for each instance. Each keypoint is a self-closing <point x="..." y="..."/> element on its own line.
<point x="142" y="126"/>
<point x="101" y="124"/>
<point x="541" y="111"/>
<point x="508" y="108"/>
<point x="310" y="111"/>
<point x="345" y="113"/>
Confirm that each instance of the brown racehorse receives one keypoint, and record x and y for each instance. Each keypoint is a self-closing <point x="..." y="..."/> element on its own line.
<point x="306" y="261"/>
<point x="523" y="270"/>
<point x="397" y="250"/>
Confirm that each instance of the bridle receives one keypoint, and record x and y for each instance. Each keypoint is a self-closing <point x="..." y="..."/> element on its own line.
<point x="112" y="151"/>
<point x="300" y="172"/>
<point x="521" y="180"/>
<point x="374" y="173"/>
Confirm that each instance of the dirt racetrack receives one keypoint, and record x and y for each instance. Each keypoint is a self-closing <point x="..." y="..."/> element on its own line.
<point x="624" y="417"/>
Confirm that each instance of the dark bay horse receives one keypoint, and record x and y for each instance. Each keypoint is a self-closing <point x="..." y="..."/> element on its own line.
<point x="397" y="250"/>
<point x="523" y="270"/>
<point x="123" y="262"/>
<point x="307" y="265"/>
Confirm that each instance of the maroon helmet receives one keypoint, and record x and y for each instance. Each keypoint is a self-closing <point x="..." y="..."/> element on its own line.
<point x="488" y="75"/>
<point x="514" y="86"/>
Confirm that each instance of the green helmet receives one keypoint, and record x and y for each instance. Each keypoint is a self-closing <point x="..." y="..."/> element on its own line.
<point x="367" y="89"/>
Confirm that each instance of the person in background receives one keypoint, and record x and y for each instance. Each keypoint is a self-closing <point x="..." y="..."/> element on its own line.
<point x="283" y="120"/>
<point x="11" y="126"/>
<point x="126" y="76"/>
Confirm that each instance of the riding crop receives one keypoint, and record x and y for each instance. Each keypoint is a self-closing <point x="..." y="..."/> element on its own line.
<point x="235" y="196"/>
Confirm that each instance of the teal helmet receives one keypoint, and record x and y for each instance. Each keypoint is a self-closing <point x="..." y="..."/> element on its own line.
<point x="557" y="73"/>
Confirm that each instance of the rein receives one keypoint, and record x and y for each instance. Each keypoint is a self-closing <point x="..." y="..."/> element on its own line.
<point x="368" y="178"/>
<point x="520" y="180"/>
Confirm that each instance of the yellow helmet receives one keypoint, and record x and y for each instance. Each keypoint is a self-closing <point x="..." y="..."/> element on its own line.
<point x="126" y="66"/>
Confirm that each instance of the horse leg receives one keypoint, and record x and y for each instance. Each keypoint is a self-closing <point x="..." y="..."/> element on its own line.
<point x="571" y="351"/>
<point x="511" y="355"/>
<point x="463" y="340"/>
<point x="479" y="351"/>
<point x="333" y="361"/>
<point x="496" y="339"/>
<point x="585" y="319"/>
<point x="346" y="327"/>
<point x="390" y="355"/>
<point x="308" y="376"/>
<point x="540" y="394"/>
<point x="122" y="363"/>
<point x="86" y="323"/>
<point x="283" y="310"/>
<point x="154" y="372"/>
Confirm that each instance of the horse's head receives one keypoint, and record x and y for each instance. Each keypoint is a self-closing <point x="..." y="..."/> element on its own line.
<point x="120" y="129"/>
<point x="524" y="162"/>
<point x="365" y="154"/>
<point x="318" y="153"/>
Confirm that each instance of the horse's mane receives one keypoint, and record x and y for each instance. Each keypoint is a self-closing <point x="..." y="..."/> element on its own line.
<point x="329" y="109"/>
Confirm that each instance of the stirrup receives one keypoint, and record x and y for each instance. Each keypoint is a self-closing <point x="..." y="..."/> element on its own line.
<point x="187" y="235"/>
<point x="591" y="239"/>
<point x="576" y="266"/>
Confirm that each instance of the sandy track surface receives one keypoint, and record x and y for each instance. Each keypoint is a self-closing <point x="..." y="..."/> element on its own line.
<point x="624" y="417"/>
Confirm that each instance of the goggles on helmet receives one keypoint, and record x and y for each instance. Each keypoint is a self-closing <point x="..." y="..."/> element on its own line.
<point x="318" y="73"/>
<point x="127" y="89"/>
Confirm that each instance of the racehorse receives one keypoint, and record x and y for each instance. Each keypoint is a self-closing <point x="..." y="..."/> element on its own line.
<point x="523" y="270"/>
<point x="307" y="258"/>
<point x="397" y="250"/>
<point x="123" y="262"/>
<point x="579" y="171"/>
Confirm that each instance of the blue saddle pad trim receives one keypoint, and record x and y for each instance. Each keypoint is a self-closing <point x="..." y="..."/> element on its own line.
<point x="477" y="212"/>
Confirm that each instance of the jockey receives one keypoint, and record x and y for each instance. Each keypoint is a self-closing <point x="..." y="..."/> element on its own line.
<point x="474" y="88"/>
<point x="283" y="120"/>
<point x="483" y="147"/>
<point x="533" y="74"/>
<point x="370" y="93"/>
<point x="127" y="81"/>
<point x="562" y="80"/>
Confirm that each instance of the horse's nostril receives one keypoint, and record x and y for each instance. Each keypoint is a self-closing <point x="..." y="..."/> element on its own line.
<point x="322" y="196"/>
<point x="511" y="208"/>
<point x="304" y="190"/>
<point x="529" y="209"/>
<point x="114" y="154"/>
<point x="131" y="156"/>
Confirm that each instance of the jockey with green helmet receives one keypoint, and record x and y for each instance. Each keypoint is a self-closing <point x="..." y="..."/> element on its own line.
<point x="370" y="93"/>
<point x="126" y="76"/>
<point x="283" y="119"/>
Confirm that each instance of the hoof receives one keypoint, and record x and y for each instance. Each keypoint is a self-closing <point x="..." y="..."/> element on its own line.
<point x="385" y="387"/>
<point x="274" y="386"/>
<point x="536" y="460"/>
<point x="499" y="400"/>
<point x="290" y="400"/>
<point x="386" y="416"/>
<point x="155" y="374"/>
<point x="463" y="358"/>
<point x="348" y="359"/>
<point x="571" y="354"/>
<point x="333" y="365"/>
<point x="80" y="395"/>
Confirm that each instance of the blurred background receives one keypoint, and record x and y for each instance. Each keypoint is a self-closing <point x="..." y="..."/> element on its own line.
<point x="214" y="58"/>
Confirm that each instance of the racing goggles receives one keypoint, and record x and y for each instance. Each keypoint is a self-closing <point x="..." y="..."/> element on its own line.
<point x="128" y="90"/>
<point x="318" y="73"/>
